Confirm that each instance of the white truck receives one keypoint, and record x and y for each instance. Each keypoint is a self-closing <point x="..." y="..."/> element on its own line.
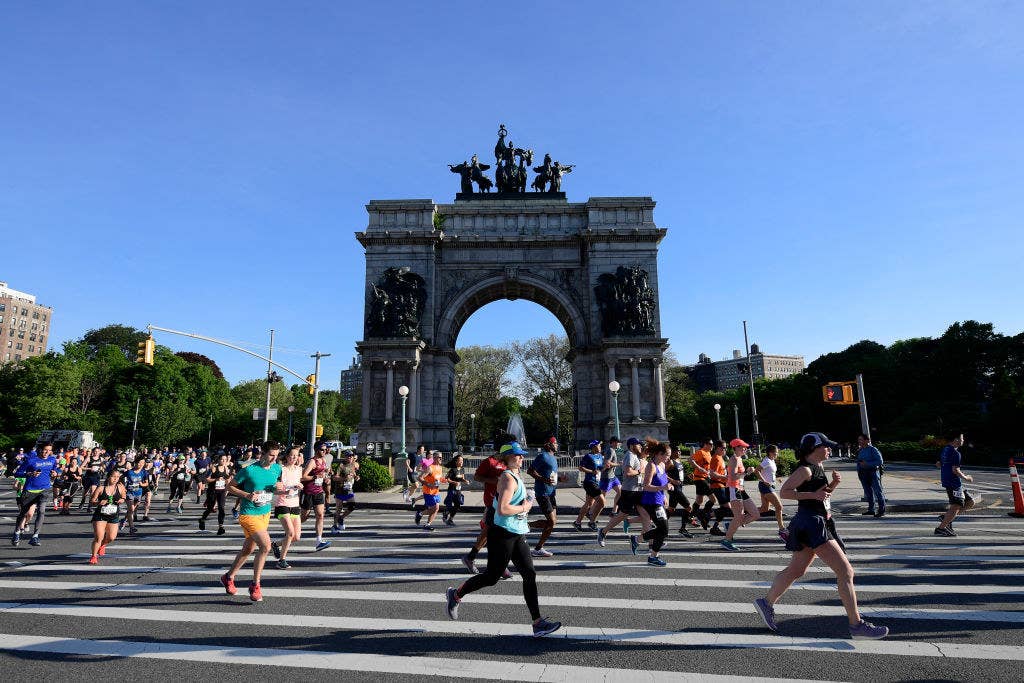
<point x="65" y="439"/>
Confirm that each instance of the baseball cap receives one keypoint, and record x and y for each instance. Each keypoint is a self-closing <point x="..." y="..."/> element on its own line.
<point x="812" y="440"/>
<point x="595" y="442"/>
<point x="632" y="441"/>
<point x="614" y="439"/>
<point x="552" y="440"/>
<point x="739" y="442"/>
<point x="511" y="449"/>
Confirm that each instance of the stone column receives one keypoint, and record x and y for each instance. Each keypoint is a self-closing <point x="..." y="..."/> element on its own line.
<point x="659" y="387"/>
<point x="635" y="366"/>
<point x="414" y="384"/>
<point x="607" y="394"/>
<point x="389" y="391"/>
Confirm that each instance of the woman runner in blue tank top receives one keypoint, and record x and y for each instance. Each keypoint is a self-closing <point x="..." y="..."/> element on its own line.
<point x="506" y="540"/>
<point x="652" y="502"/>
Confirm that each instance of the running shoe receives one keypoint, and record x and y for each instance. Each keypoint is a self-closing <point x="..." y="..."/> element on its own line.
<point x="729" y="545"/>
<point x="880" y="514"/>
<point x="703" y="517"/>
<point x="120" y="526"/>
<point x="34" y="540"/>
<point x="220" y="531"/>
<point x="867" y="513"/>
<point x="544" y="627"/>
<point x="449" y="522"/>
<point x="234" y="515"/>
<point x="202" y="524"/>
<point x="427" y="527"/>
<point x="577" y="526"/>
<point x="625" y="526"/>
<point x="255" y="594"/>
<point x="634" y="543"/>
<point x="102" y="551"/>
<point x="867" y="631"/>
<point x="341" y="525"/>
<point x="229" y="584"/>
<point x="684" y="533"/>
<point x="276" y="549"/>
<point x="132" y="531"/>
<point x="601" y="534"/>
<point x="468" y="564"/>
<point x="715" y="531"/>
<point x="784" y="535"/>
<point x="506" y="574"/>
<point x="419" y="516"/>
<point x="145" y="518"/>
<point x="168" y="509"/>
<point x="16" y="538"/>
<point x="767" y="613"/>
<point x="93" y="560"/>
<point x="283" y="564"/>
<point x="656" y="562"/>
<point x="334" y="530"/>
<point x="322" y="545"/>
<point x="541" y="552"/>
<point x="944" y="531"/>
<point x="452" y="600"/>
<point x="592" y="526"/>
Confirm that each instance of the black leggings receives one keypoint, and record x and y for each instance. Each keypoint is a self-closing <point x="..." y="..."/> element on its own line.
<point x="502" y="546"/>
<point x="218" y="497"/>
<point x="177" y="490"/>
<point x="40" y="500"/>
<point x="659" y="529"/>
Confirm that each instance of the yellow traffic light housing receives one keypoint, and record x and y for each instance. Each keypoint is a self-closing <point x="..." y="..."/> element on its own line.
<point x="319" y="431"/>
<point x="839" y="393"/>
<point x="146" y="351"/>
<point x="311" y="381"/>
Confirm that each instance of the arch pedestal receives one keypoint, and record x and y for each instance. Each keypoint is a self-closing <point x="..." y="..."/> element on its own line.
<point x="558" y="254"/>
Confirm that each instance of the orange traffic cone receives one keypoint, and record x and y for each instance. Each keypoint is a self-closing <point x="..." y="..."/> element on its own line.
<point x="1018" y="497"/>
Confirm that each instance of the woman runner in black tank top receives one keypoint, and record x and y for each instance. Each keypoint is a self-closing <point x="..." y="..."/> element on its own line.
<point x="812" y="534"/>
<point x="108" y="500"/>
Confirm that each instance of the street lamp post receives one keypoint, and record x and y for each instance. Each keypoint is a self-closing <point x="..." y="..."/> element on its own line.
<point x="472" y="431"/>
<point x="209" y="433"/>
<point x="736" y="415"/>
<point x="403" y="391"/>
<point x="291" y="413"/>
<point x="135" y="424"/>
<point x="614" y="387"/>
<point x="718" y="420"/>
<point x="312" y="430"/>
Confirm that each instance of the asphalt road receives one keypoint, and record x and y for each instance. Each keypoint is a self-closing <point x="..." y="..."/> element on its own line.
<point x="372" y="606"/>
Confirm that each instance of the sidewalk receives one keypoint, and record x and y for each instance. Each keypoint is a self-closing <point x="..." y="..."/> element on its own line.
<point x="903" y="493"/>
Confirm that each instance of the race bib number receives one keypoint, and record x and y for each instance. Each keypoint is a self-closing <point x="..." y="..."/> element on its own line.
<point x="262" y="498"/>
<point x="181" y="476"/>
<point x="95" y="468"/>
<point x="318" y="481"/>
<point x="109" y="509"/>
<point x="347" y="486"/>
<point x="828" y="505"/>
<point x="660" y="513"/>
<point x="220" y="484"/>
<point x="458" y="487"/>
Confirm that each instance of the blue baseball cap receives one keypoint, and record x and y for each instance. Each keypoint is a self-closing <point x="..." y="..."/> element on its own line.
<point x="595" y="442"/>
<point x="511" y="449"/>
<point x="632" y="441"/>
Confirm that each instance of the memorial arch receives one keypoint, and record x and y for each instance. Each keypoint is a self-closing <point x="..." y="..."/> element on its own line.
<point x="430" y="266"/>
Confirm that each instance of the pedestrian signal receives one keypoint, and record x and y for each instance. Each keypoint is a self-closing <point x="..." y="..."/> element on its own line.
<point x="839" y="393"/>
<point x="319" y="431"/>
<point x="311" y="382"/>
<point x="146" y="351"/>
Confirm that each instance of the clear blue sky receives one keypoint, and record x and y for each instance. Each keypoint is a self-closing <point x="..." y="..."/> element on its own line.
<point x="829" y="172"/>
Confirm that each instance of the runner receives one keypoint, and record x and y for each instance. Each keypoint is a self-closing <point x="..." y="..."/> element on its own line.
<point x="718" y="478"/>
<point x="506" y="540"/>
<point x="202" y="472"/>
<point x="255" y="487"/>
<point x="92" y="476"/>
<point x="217" y="491"/>
<point x="152" y="482"/>
<point x="135" y="480"/>
<point x="544" y="470"/>
<point x="487" y="473"/>
<point x="345" y="477"/>
<point x="676" y="476"/>
<point x="72" y="477"/>
<point x="412" y="473"/>
<point x="591" y="464"/>
<point x="633" y="464"/>
<point x="181" y="481"/>
<point x="454" y="499"/>
<point x="952" y="481"/>
<point x="314" y="498"/>
<point x="431" y="477"/>
<point x="38" y="473"/>
<point x="701" y="461"/>
<point x="652" y="500"/>
<point x="107" y="499"/>
<point x="812" y="533"/>
<point x="766" y="474"/>
<point x="743" y="509"/>
<point x="286" y="506"/>
<point x="609" y="475"/>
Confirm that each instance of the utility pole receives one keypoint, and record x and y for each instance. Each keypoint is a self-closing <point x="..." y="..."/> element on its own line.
<point x="753" y="401"/>
<point x="864" y="427"/>
<point x="736" y="417"/>
<point x="135" y="425"/>
<point x="316" y="398"/>
<point x="270" y="372"/>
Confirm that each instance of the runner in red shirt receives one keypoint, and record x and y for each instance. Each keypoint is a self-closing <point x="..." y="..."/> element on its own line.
<point x="487" y="473"/>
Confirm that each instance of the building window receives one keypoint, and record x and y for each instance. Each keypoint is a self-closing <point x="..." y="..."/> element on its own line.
<point x="18" y="347"/>
<point x="17" y="356"/>
<point x="35" y="314"/>
<point x="24" y="311"/>
<point x="31" y="337"/>
<point x="3" y="307"/>
<point x="31" y="347"/>
<point x="10" y="344"/>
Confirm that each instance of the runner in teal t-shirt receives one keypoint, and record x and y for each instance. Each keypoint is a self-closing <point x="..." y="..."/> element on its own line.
<point x="255" y="486"/>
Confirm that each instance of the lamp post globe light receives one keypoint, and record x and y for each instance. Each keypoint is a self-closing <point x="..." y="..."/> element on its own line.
<point x="718" y="421"/>
<point x="403" y="391"/>
<point x="614" y="387"/>
<point x="472" y="431"/>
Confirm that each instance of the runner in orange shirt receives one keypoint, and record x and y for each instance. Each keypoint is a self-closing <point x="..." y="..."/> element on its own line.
<point x="701" y="460"/>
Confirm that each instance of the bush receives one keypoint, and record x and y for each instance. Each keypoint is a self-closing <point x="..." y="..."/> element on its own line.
<point x="786" y="462"/>
<point x="373" y="477"/>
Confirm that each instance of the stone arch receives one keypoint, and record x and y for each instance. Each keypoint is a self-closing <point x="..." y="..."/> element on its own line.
<point x="523" y="286"/>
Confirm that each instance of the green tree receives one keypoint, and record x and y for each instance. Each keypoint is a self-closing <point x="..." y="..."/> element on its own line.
<point x="124" y="337"/>
<point x="481" y="376"/>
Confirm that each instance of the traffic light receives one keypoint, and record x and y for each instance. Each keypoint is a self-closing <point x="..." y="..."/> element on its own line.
<point x="311" y="382"/>
<point x="319" y="431"/>
<point x="146" y="351"/>
<point x="839" y="393"/>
